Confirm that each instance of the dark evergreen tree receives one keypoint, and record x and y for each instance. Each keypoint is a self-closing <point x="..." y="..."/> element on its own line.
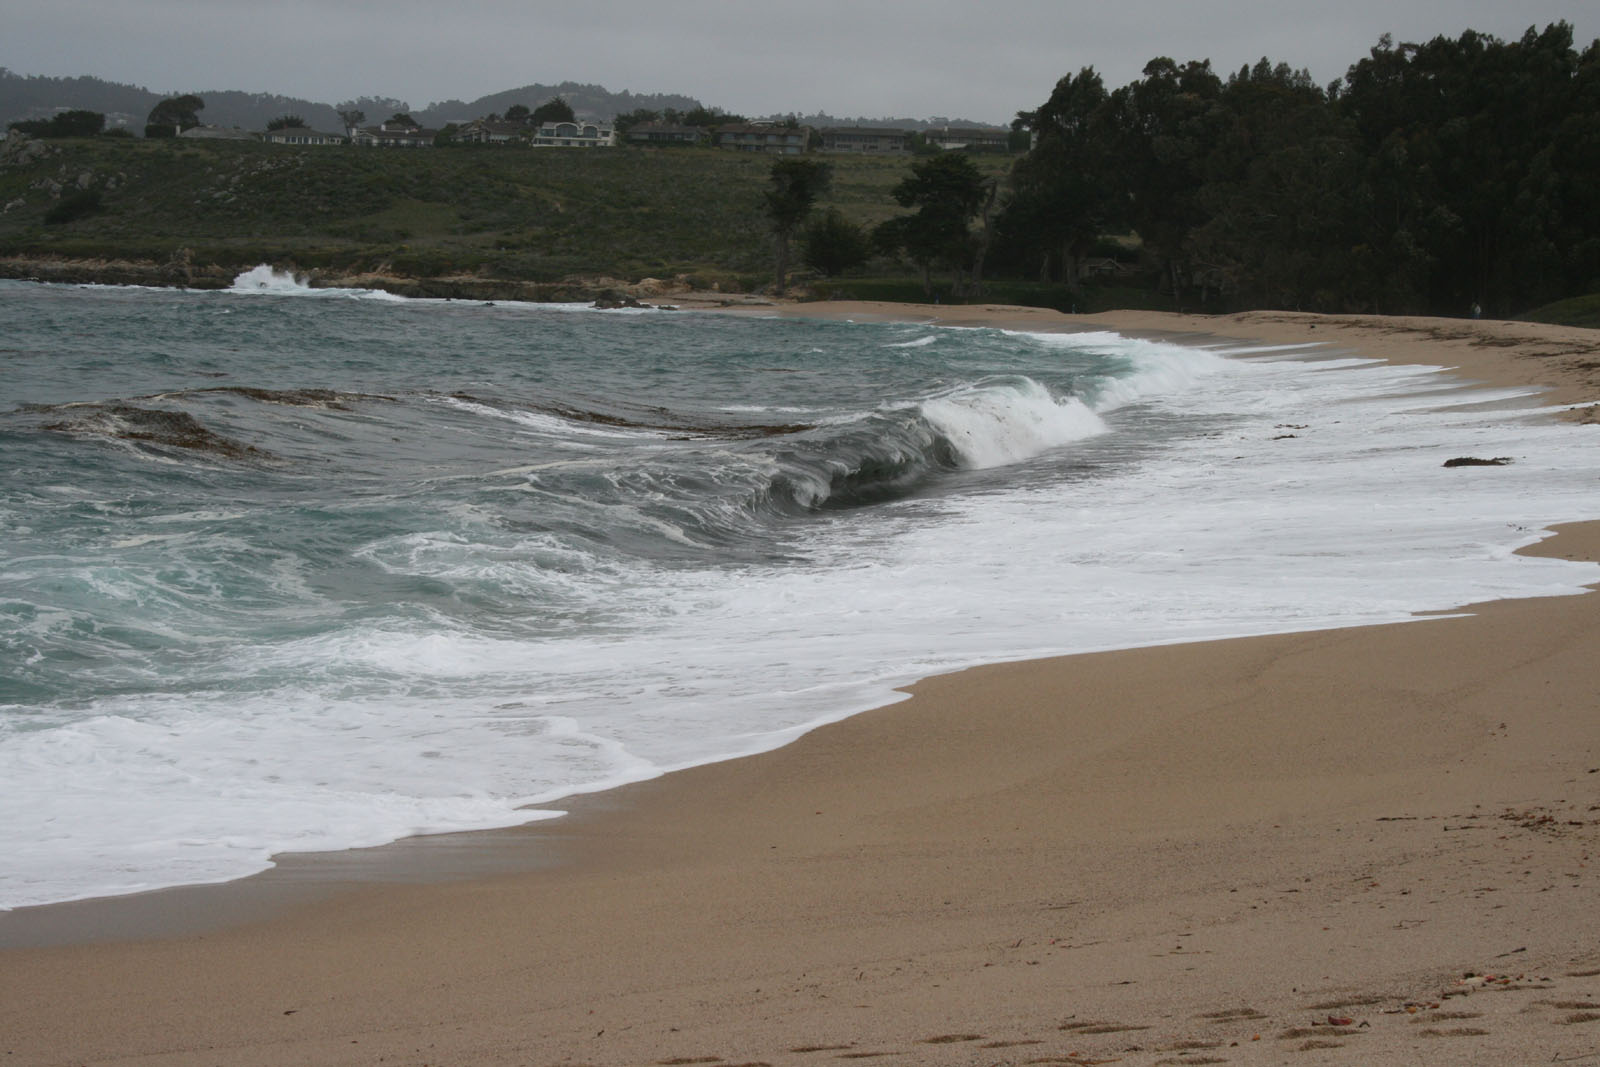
<point x="1575" y="158"/>
<point x="833" y="244"/>
<point x="948" y="191"/>
<point x="174" y="115"/>
<point x="794" y="183"/>
<point x="1434" y="177"/>
<point x="624" y="123"/>
<point x="1065" y="190"/>
<point x="555" y="110"/>
<point x="77" y="123"/>
<point x="1282" y="184"/>
<point x="710" y="116"/>
<point x="1467" y="161"/>
<point x="1166" y="124"/>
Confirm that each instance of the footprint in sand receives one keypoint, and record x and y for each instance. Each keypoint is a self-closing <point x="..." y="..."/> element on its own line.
<point x="1231" y="1015"/>
<point x="1458" y="1031"/>
<point x="1099" y="1028"/>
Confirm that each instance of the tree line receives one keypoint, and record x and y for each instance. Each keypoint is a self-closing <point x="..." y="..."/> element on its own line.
<point x="1435" y="178"/>
<point x="1432" y="178"/>
<point x="947" y="193"/>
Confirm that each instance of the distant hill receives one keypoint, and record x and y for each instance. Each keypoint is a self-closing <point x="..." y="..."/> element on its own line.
<point x="36" y="97"/>
<point x="588" y="102"/>
<point x="823" y="121"/>
<point x="252" y="111"/>
<point x="23" y="97"/>
<point x="33" y="97"/>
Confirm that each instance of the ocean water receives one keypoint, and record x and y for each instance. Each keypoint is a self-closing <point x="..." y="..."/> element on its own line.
<point x="295" y="570"/>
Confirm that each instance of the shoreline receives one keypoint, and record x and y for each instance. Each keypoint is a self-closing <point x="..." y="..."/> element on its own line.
<point x="1562" y="360"/>
<point x="744" y="908"/>
<point x="1570" y="354"/>
<point x="181" y="272"/>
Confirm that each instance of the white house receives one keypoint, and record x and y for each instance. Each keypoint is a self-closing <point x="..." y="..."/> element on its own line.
<point x="395" y="135"/>
<point x="575" y="135"/>
<point x="300" y="135"/>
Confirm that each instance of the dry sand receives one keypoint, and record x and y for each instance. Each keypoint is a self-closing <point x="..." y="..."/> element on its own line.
<point x="1286" y="849"/>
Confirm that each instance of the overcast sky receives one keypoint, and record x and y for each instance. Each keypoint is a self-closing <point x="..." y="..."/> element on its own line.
<point x="977" y="59"/>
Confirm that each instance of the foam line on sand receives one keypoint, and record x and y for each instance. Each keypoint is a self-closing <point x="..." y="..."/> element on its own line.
<point x="1372" y="845"/>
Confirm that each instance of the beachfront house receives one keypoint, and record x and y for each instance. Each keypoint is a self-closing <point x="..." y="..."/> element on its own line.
<point x="394" y="135"/>
<point x="301" y="135"/>
<point x="486" y="131"/>
<point x="866" y="140"/>
<point x="666" y="134"/>
<point x="753" y="137"/>
<point x="574" y="135"/>
<point x="970" y="138"/>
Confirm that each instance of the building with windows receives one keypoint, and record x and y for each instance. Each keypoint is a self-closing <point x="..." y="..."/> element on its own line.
<point x="482" y="131"/>
<point x="299" y="135"/>
<point x="395" y="135"/>
<point x="666" y="134"/>
<point x="866" y="140"/>
<point x="778" y="140"/>
<point x="575" y="135"/>
<point x="973" y="139"/>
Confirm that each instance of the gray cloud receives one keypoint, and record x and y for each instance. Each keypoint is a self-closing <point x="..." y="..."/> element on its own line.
<point x="871" y="57"/>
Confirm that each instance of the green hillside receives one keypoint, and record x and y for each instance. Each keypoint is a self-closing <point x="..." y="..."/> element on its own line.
<point x="528" y="214"/>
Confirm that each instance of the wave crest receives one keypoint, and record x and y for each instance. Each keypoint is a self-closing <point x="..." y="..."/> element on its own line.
<point x="894" y="452"/>
<point x="1003" y="421"/>
<point x="270" y="281"/>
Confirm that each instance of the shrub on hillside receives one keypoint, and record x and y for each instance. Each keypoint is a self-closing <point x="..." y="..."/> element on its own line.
<point x="74" y="207"/>
<point x="66" y="124"/>
<point x="833" y="244"/>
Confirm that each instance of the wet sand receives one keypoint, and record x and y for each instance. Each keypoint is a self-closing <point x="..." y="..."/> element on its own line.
<point x="1287" y="849"/>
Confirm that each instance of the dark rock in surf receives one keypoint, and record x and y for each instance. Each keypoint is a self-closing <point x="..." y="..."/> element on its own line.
<point x="153" y="426"/>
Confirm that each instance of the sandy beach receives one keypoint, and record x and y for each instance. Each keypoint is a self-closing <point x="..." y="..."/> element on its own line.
<point x="1373" y="845"/>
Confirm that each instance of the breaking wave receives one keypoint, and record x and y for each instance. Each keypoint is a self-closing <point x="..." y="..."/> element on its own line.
<point x="265" y="280"/>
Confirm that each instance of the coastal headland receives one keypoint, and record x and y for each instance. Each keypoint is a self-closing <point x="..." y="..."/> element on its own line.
<point x="183" y="270"/>
<point x="1367" y="845"/>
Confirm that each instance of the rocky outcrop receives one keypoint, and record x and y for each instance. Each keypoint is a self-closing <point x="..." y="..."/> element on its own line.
<point x="181" y="270"/>
<point x="19" y="150"/>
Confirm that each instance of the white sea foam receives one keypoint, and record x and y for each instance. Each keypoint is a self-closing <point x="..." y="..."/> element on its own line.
<point x="549" y="423"/>
<point x="1157" y="369"/>
<point x="999" y="423"/>
<point x="270" y="281"/>
<point x="1316" y="498"/>
<point x="766" y="409"/>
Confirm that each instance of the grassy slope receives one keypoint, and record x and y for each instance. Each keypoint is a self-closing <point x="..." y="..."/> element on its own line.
<point x="1577" y="311"/>
<point x="539" y="214"/>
